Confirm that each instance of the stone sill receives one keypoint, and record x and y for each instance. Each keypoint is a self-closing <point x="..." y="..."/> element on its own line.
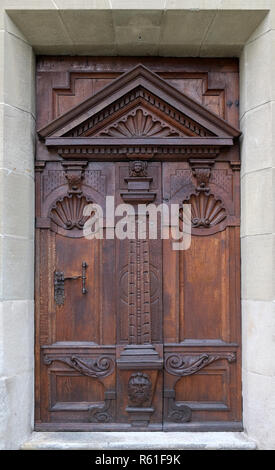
<point x="139" y="441"/>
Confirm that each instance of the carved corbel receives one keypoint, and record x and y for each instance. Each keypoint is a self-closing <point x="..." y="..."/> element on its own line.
<point x="74" y="173"/>
<point x="207" y="210"/>
<point x="201" y="170"/>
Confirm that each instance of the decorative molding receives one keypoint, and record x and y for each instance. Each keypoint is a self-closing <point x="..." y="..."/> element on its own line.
<point x="235" y="165"/>
<point x="139" y="389"/>
<point x="186" y="364"/>
<point x="140" y="357"/>
<point x="140" y="121"/>
<point x="121" y="150"/>
<point x="139" y="83"/>
<point x="100" y="366"/>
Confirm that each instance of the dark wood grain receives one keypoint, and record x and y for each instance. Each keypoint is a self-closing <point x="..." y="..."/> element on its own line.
<point x="155" y="342"/>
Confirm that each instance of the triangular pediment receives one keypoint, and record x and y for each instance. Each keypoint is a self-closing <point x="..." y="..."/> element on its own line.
<point x="134" y="115"/>
<point x="138" y="122"/>
<point x="138" y="104"/>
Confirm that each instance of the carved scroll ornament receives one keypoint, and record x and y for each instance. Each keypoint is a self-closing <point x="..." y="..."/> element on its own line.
<point x="184" y="364"/>
<point x="101" y="366"/>
<point x="103" y="412"/>
<point x="176" y="412"/>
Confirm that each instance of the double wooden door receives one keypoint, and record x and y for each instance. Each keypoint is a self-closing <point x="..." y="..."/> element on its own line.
<point x="133" y="334"/>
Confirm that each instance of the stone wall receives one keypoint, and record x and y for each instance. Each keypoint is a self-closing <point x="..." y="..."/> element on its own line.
<point x="203" y="28"/>
<point x="257" y="121"/>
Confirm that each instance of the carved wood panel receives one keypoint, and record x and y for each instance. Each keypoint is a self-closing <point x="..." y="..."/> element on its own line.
<point x="131" y="334"/>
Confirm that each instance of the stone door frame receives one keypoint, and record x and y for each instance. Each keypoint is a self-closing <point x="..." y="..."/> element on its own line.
<point x="253" y="41"/>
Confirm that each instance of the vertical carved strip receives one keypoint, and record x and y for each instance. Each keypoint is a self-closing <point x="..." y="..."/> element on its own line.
<point x="44" y="285"/>
<point x="139" y="293"/>
<point x="146" y="312"/>
<point x="132" y="293"/>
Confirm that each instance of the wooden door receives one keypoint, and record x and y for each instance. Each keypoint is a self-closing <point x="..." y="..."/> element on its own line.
<point x="132" y="334"/>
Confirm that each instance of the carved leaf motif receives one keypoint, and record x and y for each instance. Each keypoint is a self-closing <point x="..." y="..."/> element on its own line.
<point x="139" y="123"/>
<point x="182" y="364"/>
<point x="68" y="212"/>
<point x="206" y="210"/>
<point x="92" y="367"/>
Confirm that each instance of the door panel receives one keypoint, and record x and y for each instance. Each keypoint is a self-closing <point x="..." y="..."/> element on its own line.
<point x="201" y="321"/>
<point x="132" y="334"/>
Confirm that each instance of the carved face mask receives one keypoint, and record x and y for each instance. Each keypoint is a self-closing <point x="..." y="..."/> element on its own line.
<point x="139" y="388"/>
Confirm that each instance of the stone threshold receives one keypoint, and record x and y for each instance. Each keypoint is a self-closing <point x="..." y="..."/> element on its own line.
<point x="139" y="441"/>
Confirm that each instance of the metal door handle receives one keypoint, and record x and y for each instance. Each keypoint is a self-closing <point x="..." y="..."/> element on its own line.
<point x="59" y="283"/>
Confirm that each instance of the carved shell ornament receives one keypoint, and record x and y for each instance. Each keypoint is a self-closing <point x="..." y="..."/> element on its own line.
<point x="67" y="212"/>
<point x="206" y="210"/>
<point x="139" y="123"/>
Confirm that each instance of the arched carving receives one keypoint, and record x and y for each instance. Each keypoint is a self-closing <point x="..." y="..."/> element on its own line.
<point x="206" y="210"/>
<point x="67" y="212"/>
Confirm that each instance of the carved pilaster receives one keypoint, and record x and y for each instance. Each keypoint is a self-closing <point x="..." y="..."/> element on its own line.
<point x="139" y="293"/>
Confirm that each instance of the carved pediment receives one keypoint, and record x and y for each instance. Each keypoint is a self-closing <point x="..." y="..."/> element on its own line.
<point x="138" y="108"/>
<point x="139" y="114"/>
